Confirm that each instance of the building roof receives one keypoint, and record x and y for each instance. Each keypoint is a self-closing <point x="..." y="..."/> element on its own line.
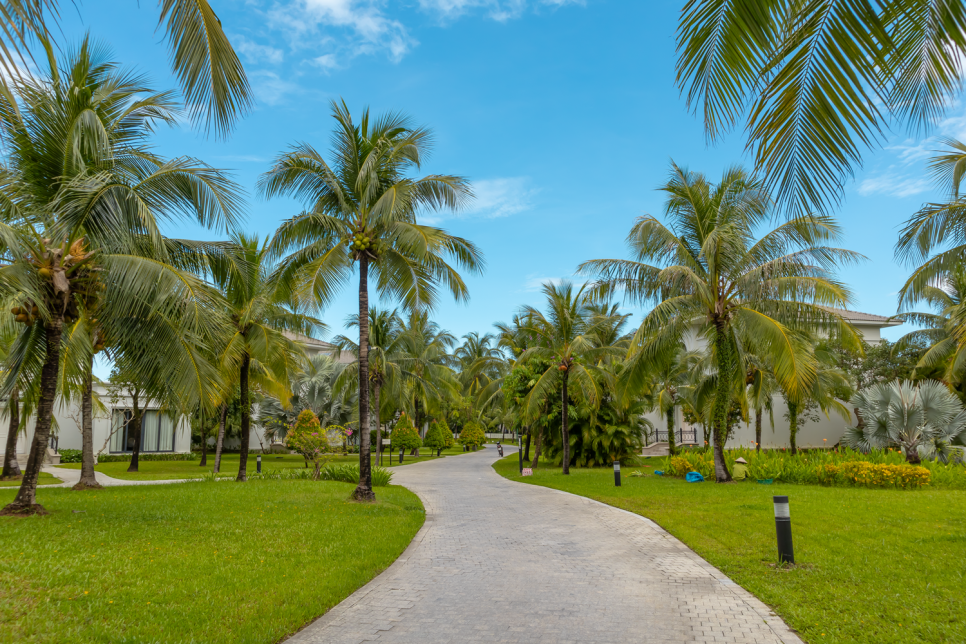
<point x="857" y="317"/>
<point x="313" y="343"/>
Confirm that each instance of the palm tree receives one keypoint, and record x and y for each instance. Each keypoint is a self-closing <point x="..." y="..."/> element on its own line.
<point x="424" y="356"/>
<point x="79" y="171"/>
<point x="257" y="349"/>
<point x="709" y="275"/>
<point x="667" y="380"/>
<point x="567" y="338"/>
<point x="945" y="330"/>
<point x="760" y="391"/>
<point x="479" y="362"/>
<point x="211" y="77"/>
<point x="362" y="209"/>
<point x="815" y="83"/>
<point x="827" y="388"/>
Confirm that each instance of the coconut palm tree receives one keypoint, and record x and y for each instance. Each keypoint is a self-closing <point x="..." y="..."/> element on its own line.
<point x="211" y="77"/>
<point x="479" y="362"/>
<point x="361" y="209"/>
<point x="816" y="83"/>
<point x="81" y="200"/>
<point x="709" y="274"/>
<point x="567" y="338"/>
<point x="827" y="389"/>
<point x="668" y="378"/>
<point x="424" y="355"/>
<point x="257" y="348"/>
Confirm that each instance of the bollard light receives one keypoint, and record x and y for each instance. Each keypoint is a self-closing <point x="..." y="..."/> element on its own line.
<point x="617" y="473"/>
<point x="783" y="529"/>
<point x="258" y="463"/>
<point x="520" y="452"/>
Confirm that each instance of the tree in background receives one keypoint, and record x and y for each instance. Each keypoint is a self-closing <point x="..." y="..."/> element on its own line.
<point x="473" y="435"/>
<point x="435" y="437"/>
<point x="309" y="439"/>
<point x="361" y="209"/>
<point x="405" y="436"/>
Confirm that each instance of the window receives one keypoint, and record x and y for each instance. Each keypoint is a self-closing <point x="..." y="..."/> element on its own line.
<point x="157" y="432"/>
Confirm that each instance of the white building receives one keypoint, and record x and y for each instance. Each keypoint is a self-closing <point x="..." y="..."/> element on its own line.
<point x="160" y="433"/>
<point x="810" y="434"/>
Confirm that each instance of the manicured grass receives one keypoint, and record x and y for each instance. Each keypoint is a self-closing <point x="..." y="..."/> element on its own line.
<point x="875" y="566"/>
<point x="194" y="562"/>
<point x="43" y="479"/>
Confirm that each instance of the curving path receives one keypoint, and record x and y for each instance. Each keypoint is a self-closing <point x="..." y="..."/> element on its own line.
<point x="499" y="561"/>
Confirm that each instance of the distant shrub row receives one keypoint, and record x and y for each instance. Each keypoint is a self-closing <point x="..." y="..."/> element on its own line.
<point x="118" y="458"/>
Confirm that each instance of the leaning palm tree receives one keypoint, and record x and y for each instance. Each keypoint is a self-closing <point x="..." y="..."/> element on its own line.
<point x="567" y="338"/>
<point x="81" y="200"/>
<point x="257" y="348"/>
<point x="361" y="209"/>
<point x="708" y="273"/>
<point x="816" y="83"/>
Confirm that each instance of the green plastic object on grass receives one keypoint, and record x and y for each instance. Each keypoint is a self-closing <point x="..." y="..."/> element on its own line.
<point x="765" y="481"/>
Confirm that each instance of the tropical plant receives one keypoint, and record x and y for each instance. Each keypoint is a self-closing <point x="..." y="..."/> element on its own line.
<point x="362" y="209"/>
<point x="828" y="387"/>
<point x="816" y="82"/>
<point x="309" y="439"/>
<point x="916" y="418"/>
<point x="256" y="348"/>
<point x="435" y="437"/>
<point x="668" y="378"/>
<point x="79" y="171"/>
<point x="708" y="273"/>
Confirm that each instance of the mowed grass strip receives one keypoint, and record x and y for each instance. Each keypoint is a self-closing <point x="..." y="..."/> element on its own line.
<point x="193" y="562"/>
<point x="874" y="565"/>
<point x="43" y="479"/>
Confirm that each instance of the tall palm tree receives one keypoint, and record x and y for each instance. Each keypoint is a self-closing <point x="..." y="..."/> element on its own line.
<point x="667" y="380"/>
<point x="817" y="83"/>
<point x="211" y="77"/>
<point x="566" y="337"/>
<point x="361" y="209"/>
<point x="708" y="273"/>
<point x="479" y="362"/>
<point x="81" y="200"/>
<point x="257" y="349"/>
<point x="424" y="356"/>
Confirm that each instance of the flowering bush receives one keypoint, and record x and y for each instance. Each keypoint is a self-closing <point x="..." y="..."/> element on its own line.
<point x="308" y="439"/>
<point x="472" y="434"/>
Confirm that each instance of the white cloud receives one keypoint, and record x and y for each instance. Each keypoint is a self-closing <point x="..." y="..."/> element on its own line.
<point x="894" y="185"/>
<point x="254" y="53"/>
<point x="499" y="10"/>
<point x="270" y="88"/>
<point x="499" y="197"/>
<point x="368" y="29"/>
<point x="326" y="61"/>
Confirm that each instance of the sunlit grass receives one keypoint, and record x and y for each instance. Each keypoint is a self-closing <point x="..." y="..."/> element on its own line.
<point x="194" y="562"/>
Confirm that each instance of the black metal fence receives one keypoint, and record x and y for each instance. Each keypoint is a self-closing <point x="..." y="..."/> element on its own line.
<point x="681" y="436"/>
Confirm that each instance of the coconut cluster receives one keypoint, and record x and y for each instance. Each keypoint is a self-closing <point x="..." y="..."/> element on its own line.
<point x="363" y="242"/>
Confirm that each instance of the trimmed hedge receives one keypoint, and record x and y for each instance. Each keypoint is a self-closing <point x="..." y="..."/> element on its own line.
<point x="150" y="456"/>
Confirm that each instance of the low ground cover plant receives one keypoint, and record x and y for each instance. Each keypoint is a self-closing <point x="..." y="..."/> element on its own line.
<point x="876" y="468"/>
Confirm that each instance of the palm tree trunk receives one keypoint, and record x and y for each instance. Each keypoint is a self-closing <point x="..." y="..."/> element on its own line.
<point x="136" y="421"/>
<point x="11" y="468"/>
<point x="26" y="499"/>
<point x="536" y="449"/>
<point x="671" y="438"/>
<point x="88" y="480"/>
<point x="793" y="426"/>
<point x="363" y="491"/>
<point x="246" y="420"/>
<point x="375" y="403"/>
<point x="221" y="437"/>
<point x="204" y="444"/>
<point x="722" y="401"/>
<point x="564" y="426"/>
<point x="758" y="430"/>
<point x="912" y="455"/>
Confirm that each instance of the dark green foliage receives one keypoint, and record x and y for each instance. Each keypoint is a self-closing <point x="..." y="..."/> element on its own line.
<point x="472" y="434"/>
<point x="70" y="455"/>
<point x="435" y="437"/>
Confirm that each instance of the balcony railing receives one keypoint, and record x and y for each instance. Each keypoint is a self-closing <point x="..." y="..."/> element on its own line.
<point x="681" y="436"/>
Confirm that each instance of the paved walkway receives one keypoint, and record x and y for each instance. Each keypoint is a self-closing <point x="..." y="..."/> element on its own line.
<point x="70" y="478"/>
<point x="499" y="561"/>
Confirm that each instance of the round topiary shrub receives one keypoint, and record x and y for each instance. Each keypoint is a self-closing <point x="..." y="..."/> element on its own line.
<point x="404" y="435"/>
<point x="435" y="437"/>
<point x="472" y="435"/>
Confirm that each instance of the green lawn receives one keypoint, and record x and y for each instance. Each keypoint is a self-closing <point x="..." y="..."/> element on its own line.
<point x="874" y="565"/>
<point x="245" y="563"/>
<point x="44" y="479"/>
<point x="165" y="470"/>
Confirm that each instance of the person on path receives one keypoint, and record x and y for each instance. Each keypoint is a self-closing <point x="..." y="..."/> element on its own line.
<point x="740" y="472"/>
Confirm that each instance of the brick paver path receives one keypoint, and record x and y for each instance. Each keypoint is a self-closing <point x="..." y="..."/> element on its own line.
<point x="499" y="561"/>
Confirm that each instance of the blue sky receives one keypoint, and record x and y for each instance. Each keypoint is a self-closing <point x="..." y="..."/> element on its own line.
<point x="563" y="113"/>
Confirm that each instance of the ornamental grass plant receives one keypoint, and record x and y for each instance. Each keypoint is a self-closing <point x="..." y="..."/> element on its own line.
<point x="840" y="467"/>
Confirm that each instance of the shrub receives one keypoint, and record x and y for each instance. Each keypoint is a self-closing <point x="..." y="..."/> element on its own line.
<point x="404" y="435"/>
<point x="350" y="474"/>
<point x="435" y="437"/>
<point x="170" y="456"/>
<point x="70" y="455"/>
<point x="472" y="434"/>
<point x="308" y="439"/>
<point x="447" y="434"/>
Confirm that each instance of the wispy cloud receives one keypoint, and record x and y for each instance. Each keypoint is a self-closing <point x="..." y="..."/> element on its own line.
<point x="893" y="184"/>
<point x="365" y="28"/>
<point x="255" y="53"/>
<point x="499" y="10"/>
<point x="498" y="197"/>
<point x="270" y="88"/>
<point x="242" y="158"/>
<point x="534" y="283"/>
